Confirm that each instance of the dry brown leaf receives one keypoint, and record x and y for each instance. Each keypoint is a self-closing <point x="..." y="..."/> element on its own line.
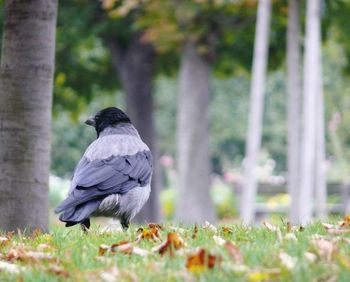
<point x="152" y="233"/>
<point x="347" y="220"/>
<point x="28" y="256"/>
<point x="102" y="249"/>
<point x="173" y="242"/>
<point x="227" y="230"/>
<point x="124" y="247"/>
<point x="195" y="232"/>
<point x="155" y="225"/>
<point x="201" y="261"/>
<point x="234" y="252"/>
<point x="287" y="261"/>
<point x="342" y="227"/>
<point x="4" y="241"/>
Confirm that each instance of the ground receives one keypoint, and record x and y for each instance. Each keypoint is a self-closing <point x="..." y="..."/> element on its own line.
<point x="317" y="252"/>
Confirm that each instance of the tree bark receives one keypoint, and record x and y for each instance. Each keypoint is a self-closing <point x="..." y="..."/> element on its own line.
<point x="134" y="64"/>
<point x="194" y="204"/>
<point x="294" y="106"/>
<point x="311" y="89"/>
<point x="253" y="144"/>
<point x="26" y="76"/>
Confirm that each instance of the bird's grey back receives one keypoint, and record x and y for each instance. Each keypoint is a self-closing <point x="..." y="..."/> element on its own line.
<point x="115" y="163"/>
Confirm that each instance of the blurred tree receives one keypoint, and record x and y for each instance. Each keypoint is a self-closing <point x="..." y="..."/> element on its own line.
<point x="194" y="204"/>
<point x="204" y="33"/>
<point x="312" y="86"/>
<point x="134" y="61"/>
<point x="255" y="111"/>
<point x="294" y="105"/>
<point x="27" y="67"/>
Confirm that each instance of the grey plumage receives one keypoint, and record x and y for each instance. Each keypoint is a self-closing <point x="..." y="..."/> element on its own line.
<point x="112" y="178"/>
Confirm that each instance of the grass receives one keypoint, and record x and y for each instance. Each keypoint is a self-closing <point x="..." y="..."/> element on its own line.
<point x="74" y="256"/>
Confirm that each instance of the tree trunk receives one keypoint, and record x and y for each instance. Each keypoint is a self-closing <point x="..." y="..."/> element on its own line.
<point x="194" y="204"/>
<point x="294" y="106"/>
<point x="311" y="89"/>
<point x="26" y="77"/>
<point x="135" y="67"/>
<point x="320" y="170"/>
<point x="253" y="144"/>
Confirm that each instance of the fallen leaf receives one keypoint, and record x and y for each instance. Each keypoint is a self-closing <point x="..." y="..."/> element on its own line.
<point x="342" y="227"/>
<point x="173" y="242"/>
<point x="44" y="247"/>
<point x="264" y="275"/>
<point x="287" y="261"/>
<point x="110" y="275"/>
<point x="269" y="226"/>
<point x="343" y="260"/>
<point x="195" y="232"/>
<point x="310" y="257"/>
<point x="58" y="270"/>
<point x="347" y="220"/>
<point x="294" y="228"/>
<point x="27" y="255"/>
<point x="152" y="233"/>
<point x="209" y="226"/>
<point x="227" y="230"/>
<point x="103" y="249"/>
<point x="328" y="226"/>
<point x="201" y="261"/>
<point x="219" y="241"/>
<point x="155" y="225"/>
<point x="9" y="267"/>
<point x="324" y="248"/>
<point x="124" y="247"/>
<point x="4" y="241"/>
<point x="234" y="252"/>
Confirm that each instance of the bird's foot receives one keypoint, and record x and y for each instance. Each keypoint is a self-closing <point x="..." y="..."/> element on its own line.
<point x="85" y="225"/>
<point x="125" y="224"/>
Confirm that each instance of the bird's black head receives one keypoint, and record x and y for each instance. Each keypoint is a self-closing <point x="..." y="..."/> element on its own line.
<point x="107" y="117"/>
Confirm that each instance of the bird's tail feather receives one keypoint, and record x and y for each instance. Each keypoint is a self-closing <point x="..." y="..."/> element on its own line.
<point x="79" y="213"/>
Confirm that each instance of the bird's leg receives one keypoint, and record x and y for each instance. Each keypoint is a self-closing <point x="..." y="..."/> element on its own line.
<point x="85" y="225"/>
<point x="125" y="223"/>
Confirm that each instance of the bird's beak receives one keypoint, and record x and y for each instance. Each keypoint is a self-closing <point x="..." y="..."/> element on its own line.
<point x="90" y="121"/>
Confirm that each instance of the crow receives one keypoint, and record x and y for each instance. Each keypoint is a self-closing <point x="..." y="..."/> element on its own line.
<point x="114" y="175"/>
